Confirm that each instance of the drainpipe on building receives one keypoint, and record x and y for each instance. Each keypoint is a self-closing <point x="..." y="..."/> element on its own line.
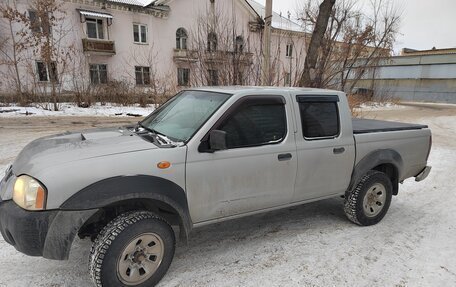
<point x="267" y="45"/>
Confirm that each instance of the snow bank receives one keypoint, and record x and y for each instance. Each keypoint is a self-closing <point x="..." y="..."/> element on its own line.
<point x="375" y="106"/>
<point x="70" y="109"/>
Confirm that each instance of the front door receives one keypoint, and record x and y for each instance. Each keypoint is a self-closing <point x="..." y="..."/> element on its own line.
<point x="257" y="170"/>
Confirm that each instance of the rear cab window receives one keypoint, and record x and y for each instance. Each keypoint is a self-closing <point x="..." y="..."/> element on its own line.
<point x="319" y="116"/>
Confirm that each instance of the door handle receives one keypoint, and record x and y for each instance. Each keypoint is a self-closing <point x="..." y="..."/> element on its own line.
<point x="338" y="150"/>
<point x="284" y="156"/>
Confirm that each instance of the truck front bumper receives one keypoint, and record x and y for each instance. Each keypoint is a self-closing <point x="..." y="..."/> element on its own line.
<point x="49" y="234"/>
<point x="423" y="174"/>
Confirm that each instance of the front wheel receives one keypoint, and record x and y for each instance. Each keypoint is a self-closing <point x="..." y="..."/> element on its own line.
<point x="134" y="249"/>
<point x="368" y="202"/>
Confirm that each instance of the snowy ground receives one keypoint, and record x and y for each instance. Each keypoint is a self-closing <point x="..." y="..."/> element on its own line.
<point x="70" y="109"/>
<point x="309" y="245"/>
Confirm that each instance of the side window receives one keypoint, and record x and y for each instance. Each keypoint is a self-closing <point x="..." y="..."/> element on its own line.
<point x="320" y="119"/>
<point x="39" y="23"/>
<point x="142" y="75"/>
<point x="181" y="39"/>
<point x="95" y="28"/>
<point x="211" y="42"/>
<point x="183" y="76"/>
<point x="98" y="74"/>
<point x="254" y="124"/>
<point x="140" y="33"/>
<point x="289" y="50"/>
<point x="47" y="73"/>
<point x="212" y="77"/>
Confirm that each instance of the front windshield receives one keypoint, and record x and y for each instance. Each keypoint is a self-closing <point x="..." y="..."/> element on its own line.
<point x="184" y="114"/>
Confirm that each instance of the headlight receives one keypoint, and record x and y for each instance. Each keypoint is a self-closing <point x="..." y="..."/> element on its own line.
<point x="28" y="193"/>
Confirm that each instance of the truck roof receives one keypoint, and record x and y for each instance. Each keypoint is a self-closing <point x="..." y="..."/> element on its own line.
<point x="259" y="89"/>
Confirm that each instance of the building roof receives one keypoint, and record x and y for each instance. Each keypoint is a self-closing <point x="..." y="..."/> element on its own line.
<point x="141" y="3"/>
<point x="94" y="13"/>
<point x="278" y="21"/>
<point x="433" y="51"/>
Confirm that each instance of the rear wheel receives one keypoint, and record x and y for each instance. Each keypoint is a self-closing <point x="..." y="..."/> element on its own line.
<point x="369" y="201"/>
<point x="135" y="249"/>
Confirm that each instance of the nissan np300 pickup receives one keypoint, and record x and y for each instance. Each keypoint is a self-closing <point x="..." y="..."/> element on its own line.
<point x="205" y="156"/>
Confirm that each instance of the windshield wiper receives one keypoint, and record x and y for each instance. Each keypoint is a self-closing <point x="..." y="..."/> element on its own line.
<point x="168" y="141"/>
<point x="140" y="125"/>
<point x="161" y="138"/>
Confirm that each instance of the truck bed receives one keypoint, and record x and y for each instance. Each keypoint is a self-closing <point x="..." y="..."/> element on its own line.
<point x="364" y="126"/>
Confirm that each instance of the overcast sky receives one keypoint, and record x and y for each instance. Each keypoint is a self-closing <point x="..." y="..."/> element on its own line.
<point x="424" y="23"/>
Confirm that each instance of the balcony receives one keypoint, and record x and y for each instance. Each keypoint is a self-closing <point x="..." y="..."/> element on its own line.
<point x="102" y="47"/>
<point x="212" y="56"/>
<point x="228" y="56"/>
<point x="185" y="55"/>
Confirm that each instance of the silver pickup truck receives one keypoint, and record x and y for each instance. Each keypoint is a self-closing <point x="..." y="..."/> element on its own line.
<point x="205" y="156"/>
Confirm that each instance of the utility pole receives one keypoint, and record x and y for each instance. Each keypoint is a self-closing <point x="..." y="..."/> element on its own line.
<point x="266" y="68"/>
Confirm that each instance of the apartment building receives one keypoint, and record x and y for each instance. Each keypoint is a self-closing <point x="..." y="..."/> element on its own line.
<point x="145" y="43"/>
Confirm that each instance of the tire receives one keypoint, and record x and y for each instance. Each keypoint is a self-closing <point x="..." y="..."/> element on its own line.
<point x="368" y="202"/>
<point x="134" y="249"/>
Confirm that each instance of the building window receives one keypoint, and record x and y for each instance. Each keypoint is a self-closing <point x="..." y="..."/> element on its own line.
<point x="95" y="28"/>
<point x="140" y="33"/>
<point x="39" y="24"/>
<point x="142" y="75"/>
<point x="98" y="74"/>
<point x="289" y="51"/>
<point x="46" y="73"/>
<point x="183" y="76"/>
<point x="211" y="42"/>
<point x="239" y="78"/>
<point x="181" y="39"/>
<point x="287" y="79"/>
<point x="239" y="48"/>
<point x="213" y="77"/>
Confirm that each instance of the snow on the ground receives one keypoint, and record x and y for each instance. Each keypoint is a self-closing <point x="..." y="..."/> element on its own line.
<point x="70" y="109"/>
<point x="377" y="106"/>
<point x="309" y="245"/>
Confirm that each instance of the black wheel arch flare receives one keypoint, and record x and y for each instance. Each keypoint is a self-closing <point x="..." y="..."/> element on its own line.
<point x="377" y="158"/>
<point x="112" y="190"/>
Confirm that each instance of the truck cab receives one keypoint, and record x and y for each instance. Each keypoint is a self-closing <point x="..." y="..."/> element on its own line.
<point x="271" y="136"/>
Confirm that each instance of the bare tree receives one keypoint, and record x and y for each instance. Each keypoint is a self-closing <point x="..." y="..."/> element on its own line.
<point x="377" y="34"/>
<point x="148" y="82"/>
<point x="321" y="23"/>
<point x="47" y="34"/>
<point x="215" y="42"/>
<point x="354" y="42"/>
<point x="224" y="52"/>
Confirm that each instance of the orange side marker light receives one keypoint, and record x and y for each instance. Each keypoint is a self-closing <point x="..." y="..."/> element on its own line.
<point x="163" y="164"/>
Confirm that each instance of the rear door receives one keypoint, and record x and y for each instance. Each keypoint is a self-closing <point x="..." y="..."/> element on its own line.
<point x="325" y="146"/>
<point x="257" y="170"/>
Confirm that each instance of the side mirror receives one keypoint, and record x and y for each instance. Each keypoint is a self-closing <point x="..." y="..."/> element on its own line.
<point x="217" y="140"/>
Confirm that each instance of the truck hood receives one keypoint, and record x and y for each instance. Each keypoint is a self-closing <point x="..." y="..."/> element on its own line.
<point x="74" y="146"/>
